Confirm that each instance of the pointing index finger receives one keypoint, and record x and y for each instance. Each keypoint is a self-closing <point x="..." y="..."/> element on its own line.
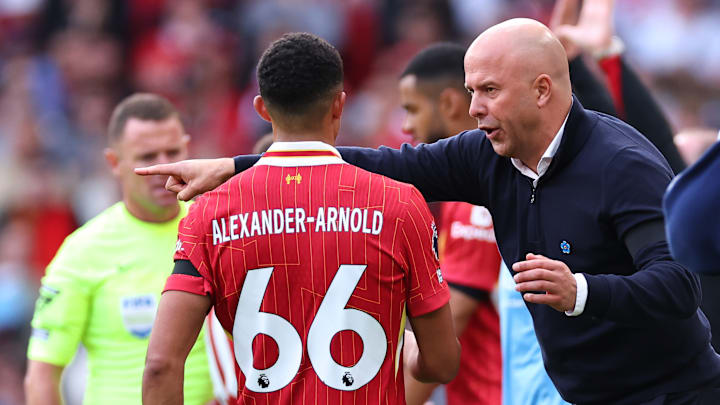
<point x="168" y="169"/>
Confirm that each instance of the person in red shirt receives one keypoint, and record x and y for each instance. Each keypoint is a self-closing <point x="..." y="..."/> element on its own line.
<point x="312" y="264"/>
<point x="432" y="93"/>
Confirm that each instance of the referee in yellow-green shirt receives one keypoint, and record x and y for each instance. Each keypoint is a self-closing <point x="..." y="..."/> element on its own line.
<point x="103" y="286"/>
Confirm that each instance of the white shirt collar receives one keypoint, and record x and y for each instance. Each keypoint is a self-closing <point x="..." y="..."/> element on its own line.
<point x="294" y="154"/>
<point x="546" y="158"/>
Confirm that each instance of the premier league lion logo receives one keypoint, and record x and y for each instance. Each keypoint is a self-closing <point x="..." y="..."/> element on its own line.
<point x="263" y="381"/>
<point x="348" y="379"/>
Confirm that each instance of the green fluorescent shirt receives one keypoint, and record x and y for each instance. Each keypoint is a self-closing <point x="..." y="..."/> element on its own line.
<point x="102" y="289"/>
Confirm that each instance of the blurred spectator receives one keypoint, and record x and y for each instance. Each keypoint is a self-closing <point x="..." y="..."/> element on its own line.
<point x="16" y="293"/>
<point x="16" y="299"/>
<point x="694" y="142"/>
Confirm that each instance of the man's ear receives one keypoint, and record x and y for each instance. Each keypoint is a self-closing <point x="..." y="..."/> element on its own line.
<point x="452" y="104"/>
<point x="259" y="105"/>
<point x="336" y="110"/>
<point x="542" y="86"/>
<point x="113" y="160"/>
<point x="338" y="105"/>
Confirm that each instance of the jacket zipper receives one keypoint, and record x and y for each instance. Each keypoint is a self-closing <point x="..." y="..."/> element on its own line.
<point x="532" y="195"/>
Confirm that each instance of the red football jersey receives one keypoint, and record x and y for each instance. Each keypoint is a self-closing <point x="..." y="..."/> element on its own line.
<point x="311" y="263"/>
<point x="469" y="257"/>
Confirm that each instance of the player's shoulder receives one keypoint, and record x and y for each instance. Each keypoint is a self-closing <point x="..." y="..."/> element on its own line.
<point x="396" y="194"/>
<point x="617" y="139"/>
<point x="236" y="183"/>
<point x="211" y="199"/>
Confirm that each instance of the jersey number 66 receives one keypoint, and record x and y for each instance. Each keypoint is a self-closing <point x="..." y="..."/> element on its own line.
<point x="332" y="317"/>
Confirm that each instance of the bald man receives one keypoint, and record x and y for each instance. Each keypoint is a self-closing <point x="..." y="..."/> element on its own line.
<point x="576" y="199"/>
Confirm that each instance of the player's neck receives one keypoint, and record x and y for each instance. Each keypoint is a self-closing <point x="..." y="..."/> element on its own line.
<point x="152" y="214"/>
<point x="322" y="135"/>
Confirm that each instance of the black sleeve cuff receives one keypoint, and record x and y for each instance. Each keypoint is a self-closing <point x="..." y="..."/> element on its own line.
<point x="185" y="267"/>
<point x="244" y="162"/>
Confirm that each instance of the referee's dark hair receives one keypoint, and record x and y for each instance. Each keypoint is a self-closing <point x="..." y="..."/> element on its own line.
<point x="143" y="106"/>
<point x="441" y="62"/>
<point x="298" y="76"/>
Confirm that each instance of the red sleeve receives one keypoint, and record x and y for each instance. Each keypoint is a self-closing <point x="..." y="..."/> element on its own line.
<point x="468" y="253"/>
<point x="479" y="271"/>
<point x="192" y="246"/>
<point x="613" y="73"/>
<point x="427" y="290"/>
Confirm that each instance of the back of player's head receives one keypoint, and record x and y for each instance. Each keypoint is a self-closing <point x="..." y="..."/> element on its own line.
<point x="441" y="62"/>
<point x="142" y="106"/>
<point x="298" y="76"/>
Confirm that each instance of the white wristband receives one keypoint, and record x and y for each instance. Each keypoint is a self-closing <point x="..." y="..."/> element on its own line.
<point x="581" y="295"/>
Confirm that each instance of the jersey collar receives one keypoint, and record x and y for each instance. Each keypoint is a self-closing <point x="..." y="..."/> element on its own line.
<point x="294" y="154"/>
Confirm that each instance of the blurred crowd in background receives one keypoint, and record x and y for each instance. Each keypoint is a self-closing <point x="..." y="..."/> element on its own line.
<point x="64" y="64"/>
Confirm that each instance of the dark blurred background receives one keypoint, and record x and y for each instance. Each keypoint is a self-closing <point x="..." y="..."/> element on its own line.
<point x="64" y="64"/>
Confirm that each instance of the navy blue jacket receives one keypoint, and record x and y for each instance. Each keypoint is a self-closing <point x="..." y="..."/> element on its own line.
<point x="641" y="334"/>
<point x="692" y="206"/>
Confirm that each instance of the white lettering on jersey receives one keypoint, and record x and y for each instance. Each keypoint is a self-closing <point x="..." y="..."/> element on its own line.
<point x="295" y="220"/>
<point x="458" y="230"/>
<point x="331" y="218"/>
<point x="320" y="220"/>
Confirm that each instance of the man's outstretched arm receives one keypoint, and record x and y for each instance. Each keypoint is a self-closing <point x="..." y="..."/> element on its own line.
<point x="448" y="170"/>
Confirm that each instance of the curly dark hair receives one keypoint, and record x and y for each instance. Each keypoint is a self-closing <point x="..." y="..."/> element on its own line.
<point x="298" y="74"/>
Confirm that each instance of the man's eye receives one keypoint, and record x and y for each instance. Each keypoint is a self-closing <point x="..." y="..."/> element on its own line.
<point x="490" y="89"/>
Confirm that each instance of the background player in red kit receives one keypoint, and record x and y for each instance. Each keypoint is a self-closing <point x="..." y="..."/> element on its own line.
<point x="311" y="263"/>
<point x="432" y="93"/>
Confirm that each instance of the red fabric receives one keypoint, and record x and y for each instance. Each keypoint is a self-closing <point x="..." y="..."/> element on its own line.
<point x="188" y="283"/>
<point x="479" y="380"/>
<point x="613" y="73"/>
<point x="51" y="226"/>
<point x="468" y="253"/>
<point x="469" y="256"/>
<point x="401" y="268"/>
<point x="361" y="43"/>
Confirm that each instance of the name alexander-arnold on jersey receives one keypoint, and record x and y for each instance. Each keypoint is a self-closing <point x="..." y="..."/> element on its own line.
<point x="295" y="220"/>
